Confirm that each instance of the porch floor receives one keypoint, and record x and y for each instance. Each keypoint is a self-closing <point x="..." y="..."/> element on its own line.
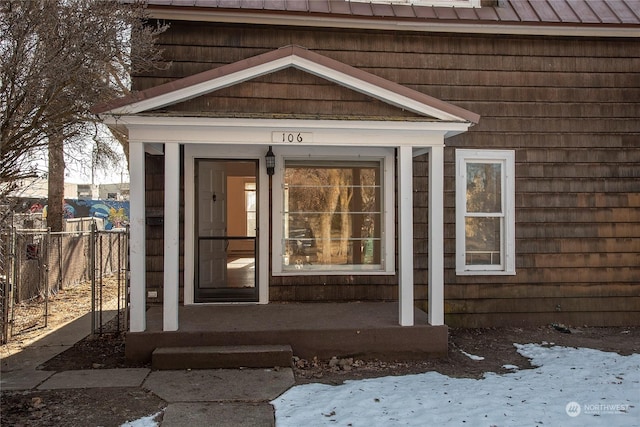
<point x="360" y="329"/>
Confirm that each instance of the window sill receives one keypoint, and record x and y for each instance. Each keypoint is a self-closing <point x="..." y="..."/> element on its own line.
<point x="333" y="273"/>
<point x="485" y="273"/>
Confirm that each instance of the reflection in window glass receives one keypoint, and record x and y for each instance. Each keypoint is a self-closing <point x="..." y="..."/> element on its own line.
<point x="484" y="187"/>
<point x="483" y="241"/>
<point x="332" y="215"/>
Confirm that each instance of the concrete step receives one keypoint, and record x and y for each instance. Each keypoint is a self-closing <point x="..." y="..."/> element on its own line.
<point x="222" y="357"/>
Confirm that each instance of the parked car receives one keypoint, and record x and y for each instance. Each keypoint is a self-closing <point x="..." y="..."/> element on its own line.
<point x="301" y="243"/>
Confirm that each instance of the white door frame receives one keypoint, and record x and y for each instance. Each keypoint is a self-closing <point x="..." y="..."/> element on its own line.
<point x="226" y="152"/>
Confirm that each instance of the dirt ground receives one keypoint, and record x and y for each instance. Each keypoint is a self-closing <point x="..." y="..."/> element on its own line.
<point x="112" y="407"/>
<point x="66" y="305"/>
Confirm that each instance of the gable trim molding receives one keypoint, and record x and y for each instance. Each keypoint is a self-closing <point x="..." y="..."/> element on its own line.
<point x="289" y="56"/>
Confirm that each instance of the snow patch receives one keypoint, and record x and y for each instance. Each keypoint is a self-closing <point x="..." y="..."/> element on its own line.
<point x="511" y="367"/>
<point x="471" y="356"/>
<point x="149" y="421"/>
<point x="568" y="387"/>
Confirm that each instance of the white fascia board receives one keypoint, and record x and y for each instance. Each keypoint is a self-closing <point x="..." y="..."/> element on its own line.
<point x="372" y="90"/>
<point x="196" y="130"/>
<point x="131" y="120"/>
<point x="199" y="89"/>
<point x="596" y="30"/>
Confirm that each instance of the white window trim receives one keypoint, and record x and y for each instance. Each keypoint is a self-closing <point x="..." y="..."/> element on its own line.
<point x="507" y="158"/>
<point x="337" y="153"/>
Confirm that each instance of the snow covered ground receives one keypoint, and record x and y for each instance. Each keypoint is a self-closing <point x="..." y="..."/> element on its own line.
<point x="568" y="387"/>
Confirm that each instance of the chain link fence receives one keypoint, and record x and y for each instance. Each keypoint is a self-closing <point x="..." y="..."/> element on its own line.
<point x="40" y="269"/>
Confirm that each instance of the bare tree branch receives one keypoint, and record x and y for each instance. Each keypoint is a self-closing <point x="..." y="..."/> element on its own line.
<point x="57" y="59"/>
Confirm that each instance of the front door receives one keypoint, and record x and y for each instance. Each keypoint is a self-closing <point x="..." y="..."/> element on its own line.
<point x="225" y="231"/>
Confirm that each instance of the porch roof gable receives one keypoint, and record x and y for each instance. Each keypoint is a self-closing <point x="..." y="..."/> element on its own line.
<point x="289" y="56"/>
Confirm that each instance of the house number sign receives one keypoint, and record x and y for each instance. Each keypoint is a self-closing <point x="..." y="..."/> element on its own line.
<point x="291" y="137"/>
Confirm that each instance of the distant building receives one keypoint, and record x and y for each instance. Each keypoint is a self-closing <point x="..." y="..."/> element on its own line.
<point x="37" y="189"/>
<point x="118" y="191"/>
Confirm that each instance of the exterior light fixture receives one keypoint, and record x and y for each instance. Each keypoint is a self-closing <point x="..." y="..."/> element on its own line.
<point x="271" y="162"/>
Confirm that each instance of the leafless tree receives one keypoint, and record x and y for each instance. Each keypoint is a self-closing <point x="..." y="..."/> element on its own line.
<point x="57" y="59"/>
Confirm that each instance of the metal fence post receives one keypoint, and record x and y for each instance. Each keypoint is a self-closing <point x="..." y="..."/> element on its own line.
<point x="126" y="279"/>
<point x="60" y="281"/>
<point x="4" y="283"/>
<point x="119" y="277"/>
<point x="7" y="281"/>
<point x="92" y="273"/>
<point x="45" y="257"/>
<point x="14" y="277"/>
<point x="100" y="278"/>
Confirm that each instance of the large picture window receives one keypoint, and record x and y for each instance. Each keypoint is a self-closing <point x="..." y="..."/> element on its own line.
<point x="332" y="216"/>
<point x="485" y="223"/>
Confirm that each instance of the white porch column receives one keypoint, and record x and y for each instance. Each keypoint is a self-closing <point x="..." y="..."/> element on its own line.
<point x="171" y="236"/>
<point x="263" y="232"/>
<point x="436" y="235"/>
<point x="405" y="234"/>
<point x="137" y="237"/>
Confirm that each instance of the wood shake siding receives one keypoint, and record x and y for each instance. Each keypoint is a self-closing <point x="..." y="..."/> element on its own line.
<point x="154" y="203"/>
<point x="569" y="107"/>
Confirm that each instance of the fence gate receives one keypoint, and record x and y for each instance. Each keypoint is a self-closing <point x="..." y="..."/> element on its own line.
<point x="5" y="282"/>
<point x="38" y="268"/>
<point x="28" y="290"/>
<point x="109" y="255"/>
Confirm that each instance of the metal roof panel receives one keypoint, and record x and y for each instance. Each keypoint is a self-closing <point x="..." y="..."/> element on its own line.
<point x="563" y="11"/>
<point x="624" y="12"/>
<point x="532" y="12"/>
<point x="544" y="11"/>
<point x="524" y="11"/>
<point x="604" y="12"/>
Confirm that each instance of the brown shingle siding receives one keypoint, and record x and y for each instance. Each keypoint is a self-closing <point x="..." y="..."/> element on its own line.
<point x="569" y="107"/>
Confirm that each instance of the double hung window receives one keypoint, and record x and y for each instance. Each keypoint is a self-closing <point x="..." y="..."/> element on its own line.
<point x="485" y="218"/>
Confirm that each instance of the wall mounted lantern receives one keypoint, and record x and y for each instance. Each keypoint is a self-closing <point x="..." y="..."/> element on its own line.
<point x="271" y="162"/>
